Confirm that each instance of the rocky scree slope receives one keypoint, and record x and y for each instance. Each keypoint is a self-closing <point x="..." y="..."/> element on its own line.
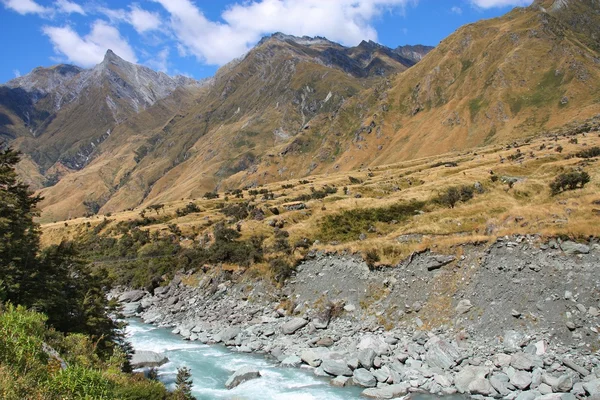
<point x="516" y="319"/>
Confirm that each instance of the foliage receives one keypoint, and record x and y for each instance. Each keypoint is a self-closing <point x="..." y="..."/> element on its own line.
<point x="451" y="196"/>
<point x="211" y="195"/>
<point x="183" y="384"/>
<point x="569" y="181"/>
<point x="316" y="194"/>
<point x="349" y="224"/>
<point x="371" y="257"/>
<point x="589" y="153"/>
<point x="188" y="209"/>
<point x="31" y="368"/>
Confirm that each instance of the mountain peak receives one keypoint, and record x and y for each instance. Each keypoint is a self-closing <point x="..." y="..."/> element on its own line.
<point x="110" y="56"/>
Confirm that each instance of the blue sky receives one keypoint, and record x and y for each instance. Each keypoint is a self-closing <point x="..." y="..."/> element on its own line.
<point x="195" y="37"/>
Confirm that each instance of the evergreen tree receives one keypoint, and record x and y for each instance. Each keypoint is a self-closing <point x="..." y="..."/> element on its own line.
<point x="183" y="384"/>
<point x="19" y="235"/>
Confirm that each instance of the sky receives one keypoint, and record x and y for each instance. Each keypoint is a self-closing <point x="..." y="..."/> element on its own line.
<point x="195" y="37"/>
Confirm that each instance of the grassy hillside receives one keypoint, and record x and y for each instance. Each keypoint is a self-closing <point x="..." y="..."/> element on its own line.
<point x="384" y="213"/>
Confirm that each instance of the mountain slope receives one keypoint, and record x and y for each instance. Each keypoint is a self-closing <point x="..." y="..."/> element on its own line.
<point x="293" y="107"/>
<point x="59" y="115"/>
<point x="267" y="99"/>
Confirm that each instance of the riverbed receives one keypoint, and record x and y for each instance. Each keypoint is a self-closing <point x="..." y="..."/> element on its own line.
<point x="211" y="365"/>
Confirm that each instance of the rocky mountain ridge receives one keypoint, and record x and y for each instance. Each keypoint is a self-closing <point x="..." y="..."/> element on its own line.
<point x="293" y="107"/>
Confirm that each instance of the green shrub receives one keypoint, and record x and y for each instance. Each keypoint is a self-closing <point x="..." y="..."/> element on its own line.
<point x="349" y="224"/>
<point x="188" y="209"/>
<point x="569" y="181"/>
<point x="211" y="195"/>
<point x="371" y="257"/>
<point x="451" y="196"/>
<point x="589" y="153"/>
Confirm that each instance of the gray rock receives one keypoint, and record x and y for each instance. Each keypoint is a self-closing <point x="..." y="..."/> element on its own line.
<point x="592" y="387"/>
<point x="463" y="306"/>
<point x="481" y="386"/>
<point x="437" y="261"/>
<point x="242" y="375"/>
<point x="131" y="309"/>
<point x="499" y="384"/>
<point x="521" y="361"/>
<point x="336" y="367"/>
<point x="570" y="247"/>
<point x="382" y="374"/>
<point x="521" y="380"/>
<point x="366" y="357"/>
<point x="227" y="334"/>
<point x="528" y="395"/>
<point x="442" y="380"/>
<point x="293" y="325"/>
<point x="364" y="378"/>
<point x="143" y="358"/>
<point x="319" y="372"/>
<point x="544" y="389"/>
<point x="468" y="374"/>
<point x="563" y="384"/>
<point x="292" y="361"/>
<point x="312" y="357"/>
<point x="387" y="392"/>
<point x="340" y="381"/>
<point x="441" y="354"/>
<point x="131" y="296"/>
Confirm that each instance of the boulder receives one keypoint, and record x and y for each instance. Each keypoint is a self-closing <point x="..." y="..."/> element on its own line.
<point x="481" y="386"/>
<point x="131" y="296"/>
<point x="441" y="354"/>
<point x="387" y="392"/>
<point x="375" y="343"/>
<point x="340" y="381"/>
<point x="336" y="367"/>
<point x="366" y="357"/>
<point x="521" y="380"/>
<point x="143" y="358"/>
<point x="242" y="375"/>
<point x="570" y="247"/>
<point x="592" y="387"/>
<point x="463" y="306"/>
<point x="293" y="325"/>
<point x="131" y="309"/>
<point x="313" y="357"/>
<point x="563" y="384"/>
<point x="468" y="374"/>
<point x="227" y="334"/>
<point x="292" y="361"/>
<point x="364" y="378"/>
<point x="437" y="261"/>
<point x="521" y="361"/>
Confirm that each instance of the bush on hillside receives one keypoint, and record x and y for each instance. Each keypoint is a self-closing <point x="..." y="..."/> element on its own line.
<point x="451" y="196"/>
<point x="589" y="153"/>
<point x="569" y="181"/>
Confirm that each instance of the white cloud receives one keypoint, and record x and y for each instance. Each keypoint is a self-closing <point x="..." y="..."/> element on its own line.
<point x="90" y="49"/>
<point x="161" y="61"/>
<point x="17" y="73"/>
<point x="69" y="7"/>
<point x="344" y="21"/>
<point x="26" y="7"/>
<point x="500" y="3"/>
<point x="456" y="10"/>
<point x="143" y="20"/>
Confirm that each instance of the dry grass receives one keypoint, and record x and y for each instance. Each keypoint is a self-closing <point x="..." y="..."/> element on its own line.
<point x="526" y="208"/>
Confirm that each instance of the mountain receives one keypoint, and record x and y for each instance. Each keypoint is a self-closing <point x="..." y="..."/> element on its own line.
<point x="293" y="107"/>
<point x="59" y="115"/>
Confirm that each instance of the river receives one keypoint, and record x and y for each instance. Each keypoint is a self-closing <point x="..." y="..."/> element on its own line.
<point x="211" y="365"/>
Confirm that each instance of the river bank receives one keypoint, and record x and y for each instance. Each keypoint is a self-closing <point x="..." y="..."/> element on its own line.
<point x="516" y="319"/>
